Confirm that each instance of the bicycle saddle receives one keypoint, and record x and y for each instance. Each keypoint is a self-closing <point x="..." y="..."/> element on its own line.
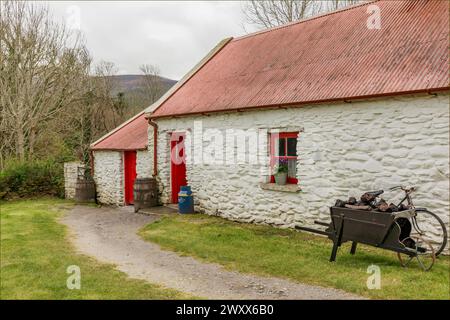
<point x="375" y="193"/>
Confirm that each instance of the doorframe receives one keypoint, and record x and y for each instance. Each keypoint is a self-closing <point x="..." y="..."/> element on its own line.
<point x="172" y="196"/>
<point x="125" y="175"/>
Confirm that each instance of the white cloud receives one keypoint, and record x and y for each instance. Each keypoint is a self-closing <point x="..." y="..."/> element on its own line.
<point x="174" y="35"/>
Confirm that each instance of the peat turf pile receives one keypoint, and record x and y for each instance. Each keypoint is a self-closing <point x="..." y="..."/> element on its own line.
<point x="369" y="201"/>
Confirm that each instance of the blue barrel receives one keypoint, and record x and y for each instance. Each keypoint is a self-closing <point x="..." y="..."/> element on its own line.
<point x="185" y="200"/>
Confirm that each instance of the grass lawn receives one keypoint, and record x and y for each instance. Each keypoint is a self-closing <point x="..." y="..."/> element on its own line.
<point x="296" y="255"/>
<point x="35" y="254"/>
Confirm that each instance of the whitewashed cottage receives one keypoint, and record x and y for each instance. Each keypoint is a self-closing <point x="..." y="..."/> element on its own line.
<point x="349" y="102"/>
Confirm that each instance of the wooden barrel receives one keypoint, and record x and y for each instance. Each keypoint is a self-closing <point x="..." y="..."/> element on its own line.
<point x="84" y="190"/>
<point x="145" y="193"/>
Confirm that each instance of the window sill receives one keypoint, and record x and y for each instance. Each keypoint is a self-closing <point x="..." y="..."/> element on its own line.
<point x="293" y="188"/>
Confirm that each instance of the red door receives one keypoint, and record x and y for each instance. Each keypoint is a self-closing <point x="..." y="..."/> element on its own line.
<point x="130" y="175"/>
<point x="178" y="164"/>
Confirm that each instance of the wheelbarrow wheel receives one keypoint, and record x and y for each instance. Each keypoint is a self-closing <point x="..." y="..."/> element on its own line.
<point x="423" y="251"/>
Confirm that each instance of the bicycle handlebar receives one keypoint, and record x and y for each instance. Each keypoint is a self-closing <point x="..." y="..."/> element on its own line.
<point x="411" y="189"/>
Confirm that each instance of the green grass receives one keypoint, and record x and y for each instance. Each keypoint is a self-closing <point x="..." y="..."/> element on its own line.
<point x="296" y="255"/>
<point x="35" y="254"/>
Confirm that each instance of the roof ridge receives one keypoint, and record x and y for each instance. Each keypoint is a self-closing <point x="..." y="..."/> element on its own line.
<point x="289" y="24"/>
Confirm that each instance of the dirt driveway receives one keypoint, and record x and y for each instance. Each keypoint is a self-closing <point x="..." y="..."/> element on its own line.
<point x="109" y="235"/>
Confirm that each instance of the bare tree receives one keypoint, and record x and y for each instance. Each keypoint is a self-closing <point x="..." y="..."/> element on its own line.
<point x="272" y="13"/>
<point x="51" y="104"/>
<point x="104" y="73"/>
<point x="151" y="82"/>
<point x="42" y="70"/>
<point x="100" y="110"/>
<point x="331" y="5"/>
<point x="105" y="91"/>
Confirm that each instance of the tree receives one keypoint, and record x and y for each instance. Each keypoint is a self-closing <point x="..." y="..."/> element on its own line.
<point x="52" y="103"/>
<point x="332" y="5"/>
<point x="101" y="109"/>
<point x="151" y="82"/>
<point x="272" y="13"/>
<point x="43" y="69"/>
<point x="104" y="87"/>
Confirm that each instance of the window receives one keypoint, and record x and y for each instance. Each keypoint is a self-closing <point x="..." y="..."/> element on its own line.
<point x="283" y="149"/>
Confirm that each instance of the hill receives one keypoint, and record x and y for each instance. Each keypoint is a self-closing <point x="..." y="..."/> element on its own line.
<point x="130" y="82"/>
<point x="135" y="94"/>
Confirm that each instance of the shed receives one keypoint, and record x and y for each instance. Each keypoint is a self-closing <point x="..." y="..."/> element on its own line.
<point x="118" y="158"/>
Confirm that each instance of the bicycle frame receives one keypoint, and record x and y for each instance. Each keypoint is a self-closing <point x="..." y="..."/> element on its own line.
<point x="411" y="206"/>
<point x="407" y="197"/>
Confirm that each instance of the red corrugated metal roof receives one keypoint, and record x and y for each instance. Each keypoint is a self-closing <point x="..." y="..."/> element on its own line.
<point x="331" y="57"/>
<point x="131" y="135"/>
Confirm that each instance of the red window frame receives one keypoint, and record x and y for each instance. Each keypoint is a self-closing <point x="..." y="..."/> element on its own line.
<point x="274" y="158"/>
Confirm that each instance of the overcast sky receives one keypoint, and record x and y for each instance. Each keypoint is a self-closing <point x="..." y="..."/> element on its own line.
<point x="173" y="35"/>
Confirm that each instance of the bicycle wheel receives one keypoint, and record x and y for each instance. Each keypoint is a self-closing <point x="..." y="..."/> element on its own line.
<point x="431" y="229"/>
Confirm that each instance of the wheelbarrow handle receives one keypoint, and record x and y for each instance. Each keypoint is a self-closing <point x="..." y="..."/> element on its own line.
<point x="320" y="223"/>
<point x="313" y="230"/>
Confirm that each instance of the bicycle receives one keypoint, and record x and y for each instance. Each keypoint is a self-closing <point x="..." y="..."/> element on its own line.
<point x="436" y="232"/>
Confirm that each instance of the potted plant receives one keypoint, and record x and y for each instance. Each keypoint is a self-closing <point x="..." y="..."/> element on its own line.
<point x="280" y="172"/>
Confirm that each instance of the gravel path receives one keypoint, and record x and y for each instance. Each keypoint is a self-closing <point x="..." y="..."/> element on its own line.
<point x="109" y="235"/>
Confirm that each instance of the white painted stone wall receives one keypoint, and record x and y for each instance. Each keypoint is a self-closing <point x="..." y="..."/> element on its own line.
<point x="108" y="176"/>
<point x="144" y="164"/>
<point x="163" y="176"/>
<point x="344" y="149"/>
<point x="70" y="178"/>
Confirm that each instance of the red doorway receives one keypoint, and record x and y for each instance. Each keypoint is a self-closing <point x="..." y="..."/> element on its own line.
<point x="130" y="175"/>
<point x="178" y="164"/>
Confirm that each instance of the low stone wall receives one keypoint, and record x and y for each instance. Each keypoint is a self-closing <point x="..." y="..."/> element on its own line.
<point x="70" y="178"/>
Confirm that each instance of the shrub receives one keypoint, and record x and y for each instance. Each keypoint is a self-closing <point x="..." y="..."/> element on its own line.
<point x="34" y="178"/>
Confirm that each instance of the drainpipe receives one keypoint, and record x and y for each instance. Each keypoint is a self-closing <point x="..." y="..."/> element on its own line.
<point x="91" y="161"/>
<point x="155" y="146"/>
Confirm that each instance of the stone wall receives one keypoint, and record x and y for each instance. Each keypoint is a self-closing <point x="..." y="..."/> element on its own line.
<point x="70" y="178"/>
<point x="144" y="164"/>
<point x="344" y="149"/>
<point x="108" y="176"/>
